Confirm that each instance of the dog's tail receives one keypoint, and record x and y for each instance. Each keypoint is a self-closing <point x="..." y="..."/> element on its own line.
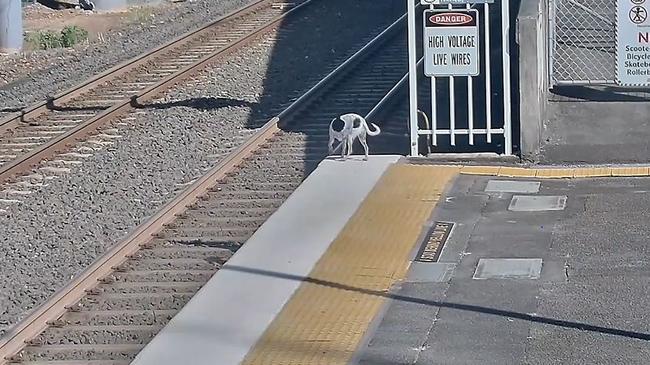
<point x="375" y="132"/>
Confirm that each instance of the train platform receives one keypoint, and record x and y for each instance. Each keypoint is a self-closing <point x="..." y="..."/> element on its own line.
<point x="384" y="262"/>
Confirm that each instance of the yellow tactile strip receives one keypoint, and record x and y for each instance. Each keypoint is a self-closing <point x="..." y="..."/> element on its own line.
<point x="556" y="173"/>
<point x="327" y="317"/>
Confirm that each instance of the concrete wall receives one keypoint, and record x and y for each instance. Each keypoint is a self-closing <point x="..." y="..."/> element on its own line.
<point x="109" y="4"/>
<point x="11" y="26"/>
<point x="531" y="38"/>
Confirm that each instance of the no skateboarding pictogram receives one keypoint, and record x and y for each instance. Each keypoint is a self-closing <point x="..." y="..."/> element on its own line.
<point x="632" y="36"/>
<point x="638" y="14"/>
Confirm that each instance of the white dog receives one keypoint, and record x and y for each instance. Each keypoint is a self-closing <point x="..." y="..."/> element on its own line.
<point x="346" y="128"/>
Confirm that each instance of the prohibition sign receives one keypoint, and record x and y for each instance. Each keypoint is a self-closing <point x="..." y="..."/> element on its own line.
<point x="638" y="14"/>
<point x="637" y="2"/>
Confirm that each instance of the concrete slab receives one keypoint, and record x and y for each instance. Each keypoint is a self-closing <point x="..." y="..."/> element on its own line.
<point x="508" y="186"/>
<point x="508" y="269"/>
<point x="430" y="272"/>
<point x="404" y="328"/>
<point x="523" y="203"/>
<point x="231" y="312"/>
<point x="477" y="324"/>
<point x="588" y="306"/>
<point x="600" y="132"/>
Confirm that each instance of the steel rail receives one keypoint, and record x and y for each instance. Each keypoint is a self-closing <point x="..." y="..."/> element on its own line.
<point x="26" y="161"/>
<point x="38" y="108"/>
<point x="38" y="320"/>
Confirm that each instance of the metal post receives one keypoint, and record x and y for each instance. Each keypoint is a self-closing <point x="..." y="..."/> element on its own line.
<point x="11" y="26"/>
<point x="452" y="104"/>
<point x="413" y="83"/>
<point x="470" y="102"/>
<point x="507" y="103"/>
<point x="488" y="74"/>
<point x="434" y="106"/>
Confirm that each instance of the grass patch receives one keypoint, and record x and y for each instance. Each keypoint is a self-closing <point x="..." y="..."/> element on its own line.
<point x="47" y="39"/>
<point x="73" y="35"/>
<point x="140" y="15"/>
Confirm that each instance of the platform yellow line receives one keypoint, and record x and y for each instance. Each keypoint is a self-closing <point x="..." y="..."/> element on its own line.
<point x="556" y="173"/>
<point x="327" y="317"/>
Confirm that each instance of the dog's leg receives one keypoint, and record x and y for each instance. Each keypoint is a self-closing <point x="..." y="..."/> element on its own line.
<point x="362" y="139"/>
<point x="343" y="147"/>
<point x="350" y="145"/>
<point x="330" y="145"/>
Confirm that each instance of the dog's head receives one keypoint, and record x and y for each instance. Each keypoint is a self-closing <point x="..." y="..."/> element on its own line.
<point x="337" y="124"/>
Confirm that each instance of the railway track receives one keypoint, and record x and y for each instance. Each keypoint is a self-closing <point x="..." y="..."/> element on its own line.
<point x="107" y="314"/>
<point x="41" y="130"/>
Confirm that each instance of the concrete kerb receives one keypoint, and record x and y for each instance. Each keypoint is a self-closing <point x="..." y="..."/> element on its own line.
<point x="506" y="166"/>
<point x="553" y="172"/>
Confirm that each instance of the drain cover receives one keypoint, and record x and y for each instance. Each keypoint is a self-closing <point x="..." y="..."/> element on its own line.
<point x="525" y="203"/>
<point x="507" y="186"/>
<point x="430" y="272"/>
<point x="508" y="269"/>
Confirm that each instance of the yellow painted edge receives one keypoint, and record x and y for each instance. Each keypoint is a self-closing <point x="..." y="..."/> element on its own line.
<point x="327" y="317"/>
<point x="630" y="171"/>
<point x="555" y="173"/>
<point x="517" y="172"/>
<point x="480" y="170"/>
<point x="592" y="172"/>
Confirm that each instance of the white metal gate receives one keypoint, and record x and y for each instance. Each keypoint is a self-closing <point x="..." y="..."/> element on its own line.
<point x="468" y="113"/>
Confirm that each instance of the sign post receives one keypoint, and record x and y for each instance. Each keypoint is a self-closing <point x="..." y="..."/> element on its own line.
<point x="633" y="43"/>
<point x="413" y="82"/>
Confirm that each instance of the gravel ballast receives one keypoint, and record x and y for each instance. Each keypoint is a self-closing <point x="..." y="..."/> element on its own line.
<point x="58" y="230"/>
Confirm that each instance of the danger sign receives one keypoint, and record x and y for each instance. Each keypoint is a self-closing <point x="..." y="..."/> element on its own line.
<point x="451" y="43"/>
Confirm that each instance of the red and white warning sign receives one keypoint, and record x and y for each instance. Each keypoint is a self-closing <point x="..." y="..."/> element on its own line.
<point x="451" y="43"/>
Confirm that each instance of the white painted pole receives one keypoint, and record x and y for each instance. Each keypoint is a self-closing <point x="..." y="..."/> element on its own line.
<point x="434" y="107"/>
<point x="507" y="114"/>
<point x="470" y="103"/>
<point x="413" y="83"/>
<point x="452" y="110"/>
<point x="452" y="105"/>
<point x="434" y="112"/>
<point x="488" y="76"/>
<point x="11" y="26"/>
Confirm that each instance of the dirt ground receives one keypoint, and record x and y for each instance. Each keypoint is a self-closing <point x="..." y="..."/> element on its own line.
<point x="37" y="17"/>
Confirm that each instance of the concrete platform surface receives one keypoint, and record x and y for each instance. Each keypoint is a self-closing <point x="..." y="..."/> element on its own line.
<point x="588" y="305"/>
<point x="230" y="313"/>
<point x="598" y="132"/>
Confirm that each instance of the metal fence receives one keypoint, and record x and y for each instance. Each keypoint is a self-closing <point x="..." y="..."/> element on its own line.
<point x="582" y="44"/>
